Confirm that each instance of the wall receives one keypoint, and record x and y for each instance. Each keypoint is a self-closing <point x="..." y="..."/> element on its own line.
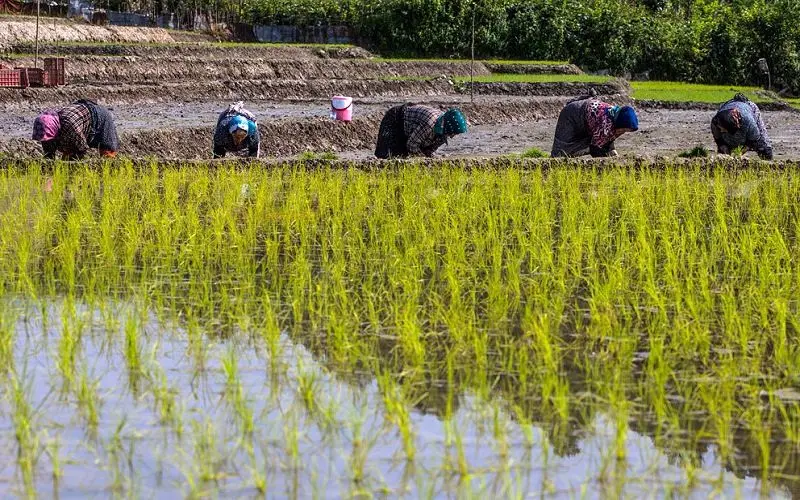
<point x="310" y="34"/>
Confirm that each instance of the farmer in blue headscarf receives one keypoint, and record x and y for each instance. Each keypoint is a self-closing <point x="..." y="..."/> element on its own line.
<point x="589" y="125"/>
<point x="236" y="131"/>
<point x="414" y="129"/>
<point x="738" y="123"/>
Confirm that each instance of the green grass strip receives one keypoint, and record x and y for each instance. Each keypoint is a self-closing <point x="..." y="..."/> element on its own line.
<point x="691" y="92"/>
<point x="541" y="78"/>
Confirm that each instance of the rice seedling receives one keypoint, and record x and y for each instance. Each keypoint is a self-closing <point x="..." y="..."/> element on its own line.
<point x="695" y="152"/>
<point x="27" y="435"/>
<point x="314" y="155"/>
<point x="88" y="400"/>
<point x="278" y="324"/>
<point x="534" y="153"/>
<point x="165" y="398"/>
<point x="234" y="393"/>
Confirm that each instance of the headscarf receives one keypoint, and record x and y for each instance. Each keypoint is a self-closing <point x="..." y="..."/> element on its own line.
<point x="730" y="119"/>
<point x="451" y="122"/>
<point x="46" y="126"/>
<point x="238" y="122"/>
<point x="626" y="118"/>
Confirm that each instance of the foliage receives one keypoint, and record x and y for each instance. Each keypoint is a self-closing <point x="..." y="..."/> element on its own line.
<point x="705" y="41"/>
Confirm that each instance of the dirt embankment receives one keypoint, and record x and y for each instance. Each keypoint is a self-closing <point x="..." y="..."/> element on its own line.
<point x="534" y="69"/>
<point x="708" y="106"/>
<point x="16" y="31"/>
<point x="642" y="162"/>
<point x="133" y="69"/>
<point x="281" y="89"/>
<point x="226" y="90"/>
<point x="544" y="88"/>
<point x="209" y="51"/>
<point x="288" y="137"/>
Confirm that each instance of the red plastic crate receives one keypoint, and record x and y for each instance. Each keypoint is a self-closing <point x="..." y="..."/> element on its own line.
<point x="10" y="78"/>
<point x="55" y="73"/>
<point x="35" y="76"/>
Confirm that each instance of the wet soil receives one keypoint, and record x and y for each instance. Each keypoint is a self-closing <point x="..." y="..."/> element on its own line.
<point x="283" y="89"/>
<point x="212" y="51"/>
<point x="544" y="88"/>
<point x="184" y="132"/>
<point x="135" y="69"/>
<point x="661" y="133"/>
<point x="534" y="69"/>
<point x="225" y="90"/>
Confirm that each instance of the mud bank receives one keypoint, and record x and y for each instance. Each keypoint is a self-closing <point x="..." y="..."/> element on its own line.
<point x="534" y="69"/>
<point x="209" y="51"/>
<point x="544" y="164"/>
<point x="544" y="88"/>
<point x="707" y="106"/>
<point x="134" y="69"/>
<point x="286" y="89"/>
<point x="16" y="31"/>
<point x="226" y="90"/>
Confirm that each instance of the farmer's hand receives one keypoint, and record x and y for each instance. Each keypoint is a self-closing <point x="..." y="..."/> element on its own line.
<point x="613" y="152"/>
<point x="723" y="149"/>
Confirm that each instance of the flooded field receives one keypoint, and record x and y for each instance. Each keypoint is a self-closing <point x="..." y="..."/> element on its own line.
<point x="506" y="329"/>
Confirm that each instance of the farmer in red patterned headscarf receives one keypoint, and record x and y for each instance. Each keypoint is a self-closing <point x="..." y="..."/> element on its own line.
<point x="74" y="129"/>
<point x="589" y="125"/>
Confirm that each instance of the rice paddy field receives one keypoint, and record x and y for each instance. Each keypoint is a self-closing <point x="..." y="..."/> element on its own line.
<point x="498" y="328"/>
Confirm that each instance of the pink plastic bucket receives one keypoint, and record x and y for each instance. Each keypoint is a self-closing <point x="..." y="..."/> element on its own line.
<point x="342" y="108"/>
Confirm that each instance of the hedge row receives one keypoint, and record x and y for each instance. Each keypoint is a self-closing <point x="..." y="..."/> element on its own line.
<point x="690" y="40"/>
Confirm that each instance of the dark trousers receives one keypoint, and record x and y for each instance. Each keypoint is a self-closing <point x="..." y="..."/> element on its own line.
<point x="391" y="135"/>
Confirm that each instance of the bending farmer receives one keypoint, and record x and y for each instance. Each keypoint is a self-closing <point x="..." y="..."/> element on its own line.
<point x="236" y="131"/>
<point x="589" y="125"/>
<point x="73" y="129"/>
<point x="738" y="123"/>
<point x="413" y="129"/>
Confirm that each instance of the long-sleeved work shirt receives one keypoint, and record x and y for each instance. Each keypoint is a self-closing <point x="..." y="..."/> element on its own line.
<point x="752" y="134"/>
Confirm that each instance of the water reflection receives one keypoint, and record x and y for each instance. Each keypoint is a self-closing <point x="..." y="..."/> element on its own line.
<point x="343" y="441"/>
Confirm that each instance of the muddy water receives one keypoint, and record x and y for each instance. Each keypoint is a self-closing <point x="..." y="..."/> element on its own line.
<point x="301" y="452"/>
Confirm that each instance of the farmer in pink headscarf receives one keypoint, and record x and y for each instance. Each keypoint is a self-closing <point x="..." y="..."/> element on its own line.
<point x="74" y="129"/>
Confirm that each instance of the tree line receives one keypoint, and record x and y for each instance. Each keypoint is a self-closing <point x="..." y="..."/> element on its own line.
<point x="705" y="41"/>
